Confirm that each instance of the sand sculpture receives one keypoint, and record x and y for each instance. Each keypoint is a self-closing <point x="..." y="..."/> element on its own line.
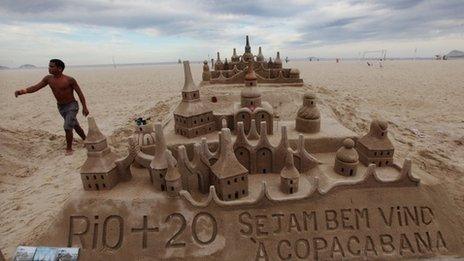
<point x="235" y="70"/>
<point x="295" y="187"/>
<point x="227" y="169"/>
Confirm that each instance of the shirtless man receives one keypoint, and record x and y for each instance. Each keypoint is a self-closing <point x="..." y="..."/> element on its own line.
<point x="63" y="88"/>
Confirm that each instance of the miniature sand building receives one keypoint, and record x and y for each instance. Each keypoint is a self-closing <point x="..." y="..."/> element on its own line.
<point x="99" y="171"/>
<point x="191" y="117"/>
<point x="229" y="176"/>
<point x="251" y="107"/>
<point x="375" y="147"/>
<point x="346" y="159"/>
<point x="308" y="119"/>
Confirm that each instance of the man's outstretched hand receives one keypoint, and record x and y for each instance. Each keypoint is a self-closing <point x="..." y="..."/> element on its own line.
<point x="85" y="111"/>
<point x="20" y="92"/>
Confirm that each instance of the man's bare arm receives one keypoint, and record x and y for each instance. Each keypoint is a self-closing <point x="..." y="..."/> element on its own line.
<point x="78" y="90"/>
<point x="33" y="88"/>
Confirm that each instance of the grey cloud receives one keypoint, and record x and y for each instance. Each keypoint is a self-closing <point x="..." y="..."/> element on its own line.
<point x="412" y="19"/>
<point x="207" y="19"/>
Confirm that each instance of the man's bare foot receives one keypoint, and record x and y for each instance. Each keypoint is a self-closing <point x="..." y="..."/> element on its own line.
<point x="68" y="152"/>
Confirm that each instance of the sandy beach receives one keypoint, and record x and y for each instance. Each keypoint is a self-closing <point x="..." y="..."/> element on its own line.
<point x="421" y="100"/>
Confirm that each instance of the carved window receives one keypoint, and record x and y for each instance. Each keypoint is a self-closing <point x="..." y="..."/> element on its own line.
<point x="243" y="192"/>
<point x="235" y="180"/>
<point x="386" y="162"/>
<point x="228" y="182"/>
<point x="375" y="153"/>
<point x="351" y="172"/>
<point x="87" y="177"/>
<point x="102" y="177"/>
<point x="291" y="181"/>
<point x="104" y="186"/>
<point x="243" y="178"/>
<point x="94" y="177"/>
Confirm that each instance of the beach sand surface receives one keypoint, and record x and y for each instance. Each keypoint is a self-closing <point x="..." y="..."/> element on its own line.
<point x="423" y="101"/>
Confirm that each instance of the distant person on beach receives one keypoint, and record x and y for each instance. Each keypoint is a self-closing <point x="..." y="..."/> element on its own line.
<point x="63" y="88"/>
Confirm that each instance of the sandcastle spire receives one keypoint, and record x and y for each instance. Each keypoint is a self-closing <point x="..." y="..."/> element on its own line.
<point x="189" y="85"/>
<point x="247" y="45"/>
<point x="278" y="61"/>
<point x="260" y="57"/>
<point x="234" y="57"/>
<point x="227" y="164"/>
<point x="289" y="175"/>
<point x="161" y="141"/>
<point x="173" y="178"/>
<point x="253" y="134"/>
<point x="94" y="134"/>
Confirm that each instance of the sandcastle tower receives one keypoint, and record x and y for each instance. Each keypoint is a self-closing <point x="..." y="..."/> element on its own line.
<point x="206" y="75"/>
<point x="260" y="56"/>
<point x="173" y="178"/>
<point x="247" y="55"/>
<point x="251" y="106"/>
<point x="218" y="65"/>
<point x="346" y="159"/>
<point x="278" y="62"/>
<point x="308" y="119"/>
<point x="235" y="58"/>
<point x="289" y="175"/>
<point x="375" y="147"/>
<point x="159" y="164"/>
<point x="229" y="177"/>
<point x="191" y="117"/>
<point x="99" y="171"/>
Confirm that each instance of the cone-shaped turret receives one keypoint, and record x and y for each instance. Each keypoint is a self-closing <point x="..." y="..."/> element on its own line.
<point x="94" y="134"/>
<point x="289" y="176"/>
<point x="235" y="57"/>
<point x="189" y="85"/>
<point x="247" y="45"/>
<point x="160" y="159"/>
<point x="227" y="164"/>
<point x="247" y="56"/>
<point x="250" y="75"/>
<point x="289" y="171"/>
<point x="278" y="61"/>
<point x="253" y="134"/>
<point x="206" y="75"/>
<point x="226" y="65"/>
<point x="218" y="65"/>
<point x="173" y="178"/>
<point x="260" y="57"/>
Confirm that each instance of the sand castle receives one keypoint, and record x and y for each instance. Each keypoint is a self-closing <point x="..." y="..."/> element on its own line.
<point x="250" y="152"/>
<point x="248" y="171"/>
<point x="235" y="70"/>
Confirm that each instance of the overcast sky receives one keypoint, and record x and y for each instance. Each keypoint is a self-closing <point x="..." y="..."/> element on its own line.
<point x="93" y="31"/>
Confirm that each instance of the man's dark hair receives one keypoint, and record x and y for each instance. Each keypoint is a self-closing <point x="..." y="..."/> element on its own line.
<point x="59" y="63"/>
